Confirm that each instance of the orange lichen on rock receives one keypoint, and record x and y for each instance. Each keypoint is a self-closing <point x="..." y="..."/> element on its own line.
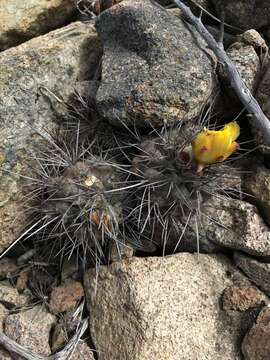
<point x="212" y="146"/>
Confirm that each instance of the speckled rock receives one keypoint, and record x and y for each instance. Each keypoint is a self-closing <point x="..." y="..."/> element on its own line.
<point x="253" y="38"/>
<point x="214" y="30"/>
<point x="257" y="184"/>
<point x="256" y="344"/>
<point x="65" y="297"/>
<point x="242" y="298"/>
<point x="58" y="62"/>
<point x="164" y="308"/>
<point x="148" y="83"/>
<point x="237" y="225"/>
<point x="10" y="296"/>
<point x="257" y="271"/>
<point x="31" y="329"/>
<point x="244" y="14"/>
<point x="82" y="352"/>
<point x="246" y="61"/>
<point x="23" y="20"/>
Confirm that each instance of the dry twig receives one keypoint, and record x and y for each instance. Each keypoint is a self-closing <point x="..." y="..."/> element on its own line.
<point x="261" y="122"/>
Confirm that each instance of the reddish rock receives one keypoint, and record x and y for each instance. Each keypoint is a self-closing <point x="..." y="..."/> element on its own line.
<point x="65" y="297"/>
<point x="256" y="344"/>
<point x="21" y="283"/>
<point x="242" y="298"/>
<point x="31" y="329"/>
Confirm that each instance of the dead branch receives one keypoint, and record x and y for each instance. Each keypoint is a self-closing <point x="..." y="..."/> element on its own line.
<point x="261" y="122"/>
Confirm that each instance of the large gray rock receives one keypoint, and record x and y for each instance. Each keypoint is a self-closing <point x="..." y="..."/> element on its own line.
<point x="244" y="14"/>
<point x="23" y="20"/>
<point x="59" y="62"/>
<point x="31" y="329"/>
<point x="165" y="308"/>
<point x="257" y="271"/>
<point x="154" y="71"/>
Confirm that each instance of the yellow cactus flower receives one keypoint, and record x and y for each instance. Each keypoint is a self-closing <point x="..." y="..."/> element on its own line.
<point x="211" y="146"/>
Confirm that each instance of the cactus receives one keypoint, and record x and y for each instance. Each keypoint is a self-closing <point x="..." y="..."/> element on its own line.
<point x="178" y="180"/>
<point x="77" y="198"/>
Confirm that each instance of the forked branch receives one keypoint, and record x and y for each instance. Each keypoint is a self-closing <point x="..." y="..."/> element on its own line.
<point x="261" y="122"/>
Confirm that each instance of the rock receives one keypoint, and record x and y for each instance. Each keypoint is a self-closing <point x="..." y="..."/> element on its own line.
<point x="31" y="329"/>
<point x="119" y="251"/>
<point x="10" y="297"/>
<point x="257" y="184"/>
<point x="242" y="298"/>
<point x="267" y="35"/>
<point x="8" y="267"/>
<point x="82" y="352"/>
<point x="253" y="38"/>
<point x="224" y="223"/>
<point x="257" y="271"/>
<point x="263" y="91"/>
<point x="164" y="307"/>
<point x="256" y="344"/>
<point x="247" y="63"/>
<point x="148" y="83"/>
<point x="235" y="224"/>
<point x="58" y="62"/>
<point x="244" y="14"/>
<point x="215" y="31"/>
<point x="97" y="6"/>
<point x="70" y="268"/>
<point x="3" y="315"/>
<point x="23" y="20"/>
<point x="66" y="325"/>
<point x="4" y="355"/>
<point x="65" y="297"/>
<point x="22" y="280"/>
<point x="194" y="7"/>
<point x="164" y="2"/>
<point x="58" y="337"/>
